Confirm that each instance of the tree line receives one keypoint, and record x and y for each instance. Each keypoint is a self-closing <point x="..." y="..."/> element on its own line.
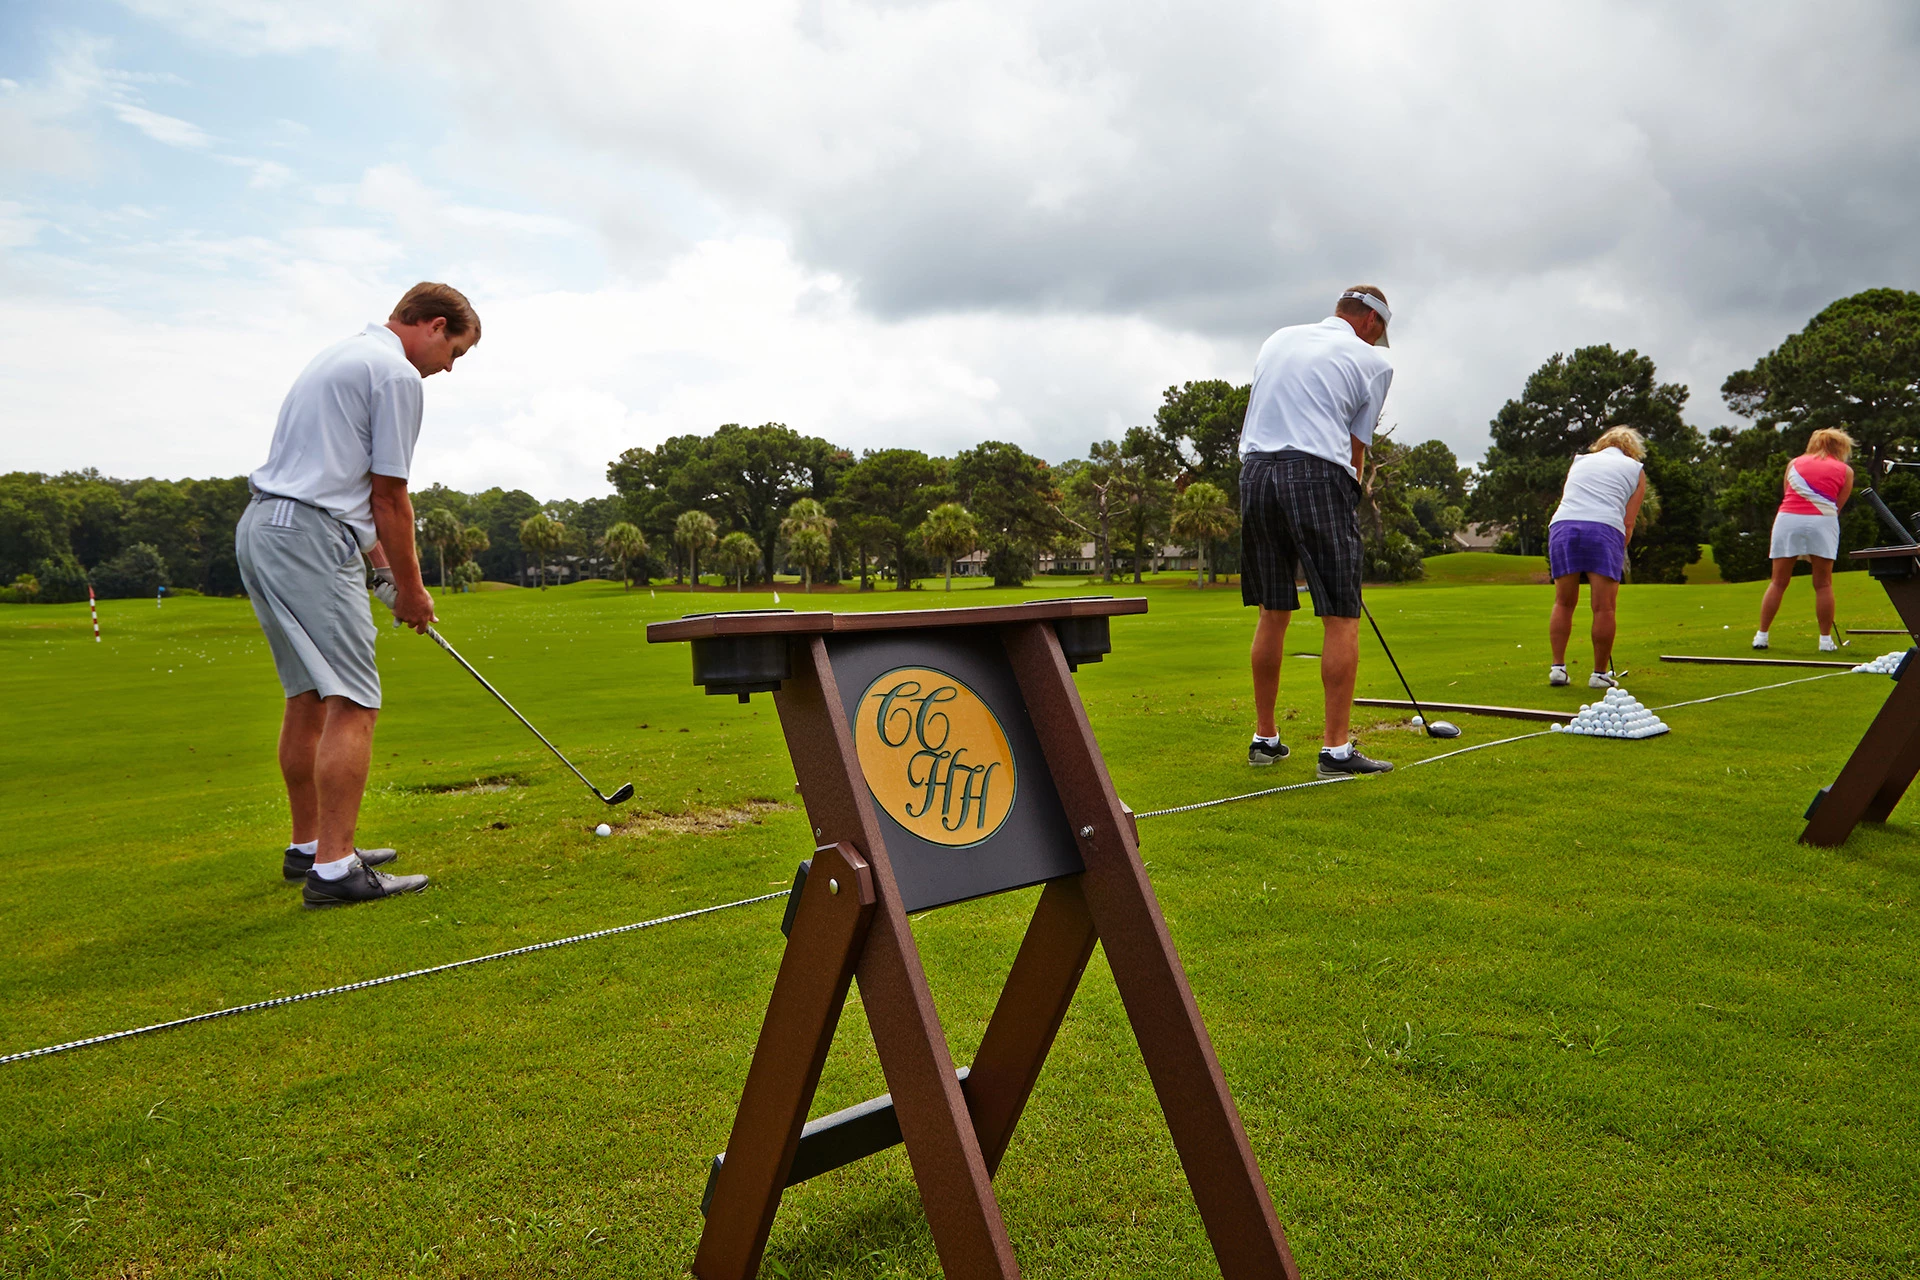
<point x="750" y="501"/>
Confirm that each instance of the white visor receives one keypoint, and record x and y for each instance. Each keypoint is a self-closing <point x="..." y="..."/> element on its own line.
<point x="1379" y="308"/>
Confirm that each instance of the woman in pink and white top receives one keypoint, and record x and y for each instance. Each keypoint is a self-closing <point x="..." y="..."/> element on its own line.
<point x="1818" y="484"/>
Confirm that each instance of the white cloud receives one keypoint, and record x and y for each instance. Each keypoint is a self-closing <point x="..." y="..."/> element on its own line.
<point x="170" y="130"/>
<point x="971" y="217"/>
<point x="264" y="26"/>
<point x="733" y="331"/>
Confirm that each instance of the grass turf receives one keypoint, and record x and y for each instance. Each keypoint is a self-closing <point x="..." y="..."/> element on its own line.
<point x="1562" y="1007"/>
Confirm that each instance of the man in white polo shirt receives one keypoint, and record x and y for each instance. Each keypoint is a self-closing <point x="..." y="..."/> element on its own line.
<point x="1318" y="390"/>
<point x="334" y="488"/>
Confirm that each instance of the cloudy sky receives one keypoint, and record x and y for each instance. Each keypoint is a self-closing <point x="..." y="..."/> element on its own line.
<point x="897" y="222"/>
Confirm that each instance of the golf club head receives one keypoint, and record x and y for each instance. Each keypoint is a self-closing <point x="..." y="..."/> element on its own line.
<point x="624" y="794"/>
<point x="1442" y="729"/>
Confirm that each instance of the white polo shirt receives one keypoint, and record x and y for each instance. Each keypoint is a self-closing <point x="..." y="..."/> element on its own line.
<point x="1316" y="388"/>
<point x="352" y="414"/>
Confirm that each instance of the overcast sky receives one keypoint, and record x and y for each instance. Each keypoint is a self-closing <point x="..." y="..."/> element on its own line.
<point x="902" y="223"/>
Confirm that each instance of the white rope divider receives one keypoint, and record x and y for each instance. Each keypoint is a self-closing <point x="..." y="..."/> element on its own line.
<point x="1694" y="702"/>
<point x="1480" y="746"/>
<point x="380" y="982"/>
<point x="1251" y="795"/>
<point x="744" y="902"/>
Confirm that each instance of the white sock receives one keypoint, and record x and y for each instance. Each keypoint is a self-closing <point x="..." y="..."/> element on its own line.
<point x="1340" y="752"/>
<point x="308" y="847"/>
<point x="335" y="870"/>
<point x="1759" y="637"/>
<point x="1561" y="667"/>
<point x="1274" y="741"/>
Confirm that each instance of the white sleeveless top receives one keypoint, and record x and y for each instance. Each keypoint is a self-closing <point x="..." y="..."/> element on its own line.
<point x="1599" y="486"/>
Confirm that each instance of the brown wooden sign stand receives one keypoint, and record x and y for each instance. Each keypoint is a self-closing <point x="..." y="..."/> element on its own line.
<point x="1885" y="763"/>
<point x="944" y="755"/>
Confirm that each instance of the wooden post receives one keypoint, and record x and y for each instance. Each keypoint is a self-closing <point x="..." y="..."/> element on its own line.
<point x="1885" y="763"/>
<point x="828" y="928"/>
<point x="1062" y="825"/>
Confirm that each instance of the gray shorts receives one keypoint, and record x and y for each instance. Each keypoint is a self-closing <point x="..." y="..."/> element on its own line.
<point x="302" y="570"/>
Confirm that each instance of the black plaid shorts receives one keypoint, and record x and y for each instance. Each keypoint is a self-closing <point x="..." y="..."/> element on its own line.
<point x="1296" y="508"/>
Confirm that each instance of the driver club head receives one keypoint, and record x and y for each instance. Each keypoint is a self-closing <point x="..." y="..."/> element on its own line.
<point x="624" y="794"/>
<point x="1442" y="729"/>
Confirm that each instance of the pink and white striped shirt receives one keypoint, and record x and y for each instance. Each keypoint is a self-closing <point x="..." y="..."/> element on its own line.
<point x="1813" y="485"/>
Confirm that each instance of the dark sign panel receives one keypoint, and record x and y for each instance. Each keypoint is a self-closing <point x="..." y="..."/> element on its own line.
<point x="966" y="801"/>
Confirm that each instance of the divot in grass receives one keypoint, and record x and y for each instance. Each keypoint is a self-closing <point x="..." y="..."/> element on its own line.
<point x="702" y="821"/>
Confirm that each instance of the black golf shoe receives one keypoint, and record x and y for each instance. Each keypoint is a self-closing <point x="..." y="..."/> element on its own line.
<point x="359" y="885"/>
<point x="1260" y="754"/>
<point x="295" y="865"/>
<point x="1354" y="766"/>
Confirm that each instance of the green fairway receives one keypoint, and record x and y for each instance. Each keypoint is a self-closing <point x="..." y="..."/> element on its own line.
<point x="1563" y="1007"/>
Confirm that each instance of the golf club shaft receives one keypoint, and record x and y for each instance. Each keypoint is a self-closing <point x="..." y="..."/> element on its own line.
<point x="1396" y="666"/>
<point x="442" y="642"/>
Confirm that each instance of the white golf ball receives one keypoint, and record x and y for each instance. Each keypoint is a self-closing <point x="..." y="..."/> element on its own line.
<point x="603" y="830"/>
<point x="1418" y="721"/>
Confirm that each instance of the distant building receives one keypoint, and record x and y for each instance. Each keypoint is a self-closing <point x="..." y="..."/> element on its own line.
<point x="1478" y="537"/>
<point x="1085" y="560"/>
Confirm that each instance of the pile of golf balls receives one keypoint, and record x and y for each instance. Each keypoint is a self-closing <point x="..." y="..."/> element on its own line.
<point x="1618" y="715"/>
<point x="1882" y="665"/>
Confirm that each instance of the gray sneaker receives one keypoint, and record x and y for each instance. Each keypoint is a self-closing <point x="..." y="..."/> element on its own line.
<point x="1260" y="754"/>
<point x="295" y="865"/>
<point x="1354" y="766"/>
<point x="359" y="885"/>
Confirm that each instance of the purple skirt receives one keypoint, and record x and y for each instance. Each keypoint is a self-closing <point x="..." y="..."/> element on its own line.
<point x="1585" y="546"/>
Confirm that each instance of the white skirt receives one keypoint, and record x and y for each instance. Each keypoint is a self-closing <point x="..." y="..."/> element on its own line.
<point x="1795" y="536"/>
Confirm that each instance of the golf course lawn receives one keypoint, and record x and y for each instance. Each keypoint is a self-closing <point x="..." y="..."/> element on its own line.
<point x="1562" y="1007"/>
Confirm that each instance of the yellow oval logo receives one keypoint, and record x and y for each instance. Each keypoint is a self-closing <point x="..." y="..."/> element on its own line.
<point x="935" y="757"/>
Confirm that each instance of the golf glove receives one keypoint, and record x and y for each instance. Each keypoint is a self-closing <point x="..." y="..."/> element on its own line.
<point x="384" y="590"/>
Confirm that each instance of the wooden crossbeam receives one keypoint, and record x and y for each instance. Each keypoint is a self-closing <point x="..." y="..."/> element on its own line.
<point x="1471" y="709"/>
<point x="1758" y="662"/>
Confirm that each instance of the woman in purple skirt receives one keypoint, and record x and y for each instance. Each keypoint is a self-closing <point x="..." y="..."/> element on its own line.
<point x="1588" y="535"/>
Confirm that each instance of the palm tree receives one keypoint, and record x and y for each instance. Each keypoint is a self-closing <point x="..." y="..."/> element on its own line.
<point x="949" y="531"/>
<point x="541" y="534"/>
<point x="624" y="543"/>
<point x="694" y="531"/>
<point x="809" y="535"/>
<point x="736" y="554"/>
<point x="810" y="549"/>
<point x="440" y="529"/>
<point x="474" y="540"/>
<point x="1200" y="515"/>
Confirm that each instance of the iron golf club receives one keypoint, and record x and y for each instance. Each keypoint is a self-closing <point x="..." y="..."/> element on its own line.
<point x="1434" y="728"/>
<point x="620" y="796"/>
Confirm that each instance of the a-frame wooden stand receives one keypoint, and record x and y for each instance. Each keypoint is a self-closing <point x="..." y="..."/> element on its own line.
<point x="1887" y="760"/>
<point x="849" y="920"/>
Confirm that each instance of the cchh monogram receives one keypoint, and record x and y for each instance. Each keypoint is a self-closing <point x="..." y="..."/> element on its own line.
<point x="935" y="756"/>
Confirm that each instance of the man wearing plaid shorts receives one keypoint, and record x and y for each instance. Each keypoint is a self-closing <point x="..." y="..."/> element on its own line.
<point x="1318" y="390"/>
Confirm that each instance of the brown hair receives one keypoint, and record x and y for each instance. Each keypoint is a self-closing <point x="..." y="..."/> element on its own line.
<point x="1358" y="310"/>
<point x="1832" y="441"/>
<point x="431" y="301"/>
<point x="1625" y="439"/>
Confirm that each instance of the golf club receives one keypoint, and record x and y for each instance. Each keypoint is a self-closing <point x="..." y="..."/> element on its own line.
<point x="1434" y="728"/>
<point x="384" y="591"/>
<point x="620" y="796"/>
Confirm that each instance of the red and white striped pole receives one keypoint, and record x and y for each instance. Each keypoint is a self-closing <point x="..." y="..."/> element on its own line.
<point x="94" y="609"/>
